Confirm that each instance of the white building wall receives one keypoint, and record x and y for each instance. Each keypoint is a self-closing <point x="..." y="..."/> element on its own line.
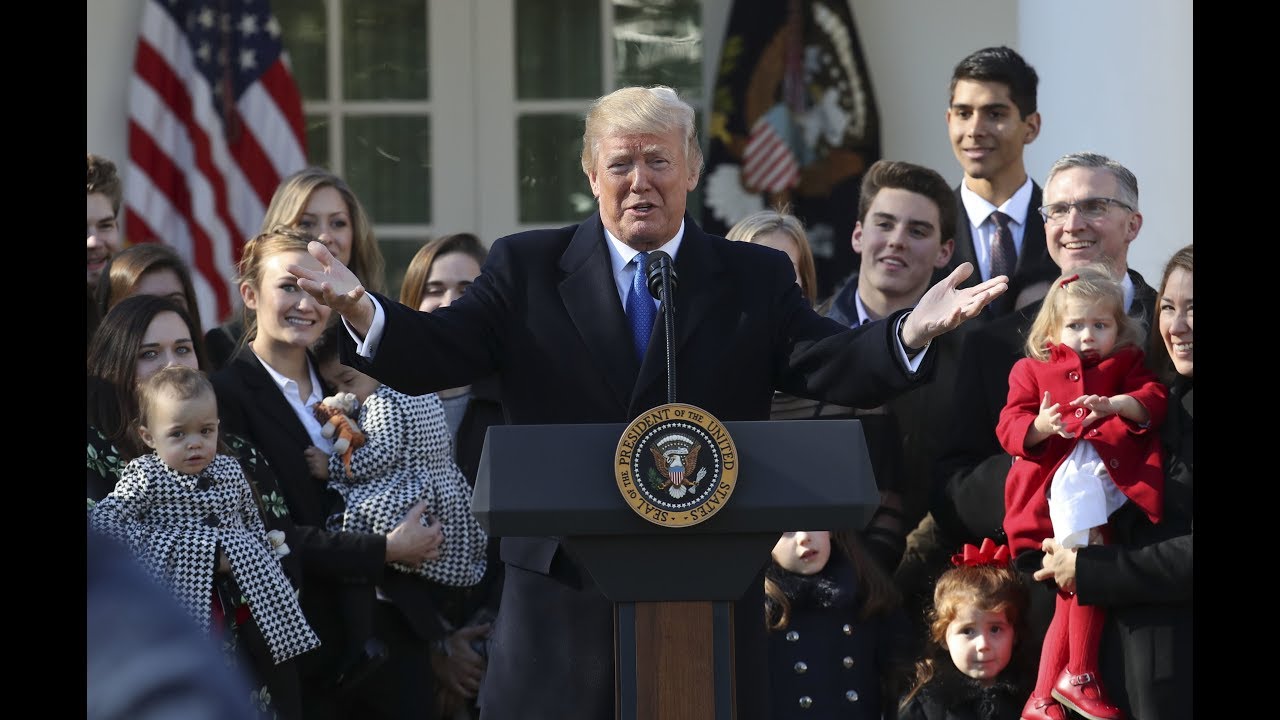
<point x="1115" y="78"/>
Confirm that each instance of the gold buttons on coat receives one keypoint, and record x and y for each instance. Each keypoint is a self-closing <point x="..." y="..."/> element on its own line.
<point x="801" y="668"/>
<point x="848" y="629"/>
<point x="851" y="696"/>
<point x="848" y="662"/>
<point x="806" y="702"/>
<point x="793" y="636"/>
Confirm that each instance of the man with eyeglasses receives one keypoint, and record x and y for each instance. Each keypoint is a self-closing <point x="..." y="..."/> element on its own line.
<point x="1090" y="214"/>
<point x="991" y="118"/>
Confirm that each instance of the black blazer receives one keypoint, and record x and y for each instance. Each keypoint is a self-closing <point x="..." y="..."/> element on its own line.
<point x="544" y="315"/>
<point x="250" y="404"/>
<point x="1144" y="581"/>
<point x="1034" y="264"/>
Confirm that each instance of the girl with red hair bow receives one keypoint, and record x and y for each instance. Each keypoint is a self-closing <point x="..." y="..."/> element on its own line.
<point x="973" y="668"/>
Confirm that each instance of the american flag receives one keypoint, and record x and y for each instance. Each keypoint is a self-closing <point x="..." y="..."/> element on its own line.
<point x="215" y="122"/>
<point x="768" y="164"/>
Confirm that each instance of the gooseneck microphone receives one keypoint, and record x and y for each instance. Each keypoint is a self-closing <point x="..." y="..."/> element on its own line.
<point x="659" y="268"/>
<point x="660" y="275"/>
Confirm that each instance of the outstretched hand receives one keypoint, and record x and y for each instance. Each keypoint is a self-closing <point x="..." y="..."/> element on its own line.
<point x="945" y="306"/>
<point x="334" y="285"/>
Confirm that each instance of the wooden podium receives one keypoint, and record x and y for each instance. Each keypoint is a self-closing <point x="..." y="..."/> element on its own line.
<point x="673" y="621"/>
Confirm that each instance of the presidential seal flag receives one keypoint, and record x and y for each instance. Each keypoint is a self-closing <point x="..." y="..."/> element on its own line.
<point x="215" y="122"/>
<point x="793" y="120"/>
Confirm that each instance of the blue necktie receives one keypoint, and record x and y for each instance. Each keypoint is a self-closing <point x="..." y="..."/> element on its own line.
<point x="640" y="309"/>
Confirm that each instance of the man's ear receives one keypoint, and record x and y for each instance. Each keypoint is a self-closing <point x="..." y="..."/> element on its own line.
<point x="592" y="177"/>
<point x="1134" y="225"/>
<point x="1033" y="128"/>
<point x="857" y="237"/>
<point x="944" y="253"/>
<point x="147" y="437"/>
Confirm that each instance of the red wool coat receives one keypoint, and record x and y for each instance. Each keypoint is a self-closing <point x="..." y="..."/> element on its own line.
<point x="1132" y="453"/>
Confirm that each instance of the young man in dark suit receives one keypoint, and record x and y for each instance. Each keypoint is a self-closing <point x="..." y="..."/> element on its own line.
<point x="547" y="316"/>
<point x="903" y="235"/>
<point x="991" y="118"/>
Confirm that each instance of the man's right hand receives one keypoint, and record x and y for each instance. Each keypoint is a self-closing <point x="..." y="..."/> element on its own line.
<point x="336" y="286"/>
<point x="463" y="668"/>
<point x="412" y="543"/>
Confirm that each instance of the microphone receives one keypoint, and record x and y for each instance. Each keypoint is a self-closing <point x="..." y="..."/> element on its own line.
<point x="660" y="274"/>
<point x="660" y="264"/>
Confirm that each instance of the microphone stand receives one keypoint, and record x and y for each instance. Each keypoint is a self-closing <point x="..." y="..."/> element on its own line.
<point x="662" y="284"/>
<point x="669" y="322"/>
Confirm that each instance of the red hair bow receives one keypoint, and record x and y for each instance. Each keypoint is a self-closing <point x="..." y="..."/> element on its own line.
<point x="1068" y="280"/>
<point x="988" y="554"/>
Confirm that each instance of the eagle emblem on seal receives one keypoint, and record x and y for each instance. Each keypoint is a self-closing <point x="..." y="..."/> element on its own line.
<point x="676" y="458"/>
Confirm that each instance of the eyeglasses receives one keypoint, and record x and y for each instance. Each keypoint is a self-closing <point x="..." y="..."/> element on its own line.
<point x="1089" y="208"/>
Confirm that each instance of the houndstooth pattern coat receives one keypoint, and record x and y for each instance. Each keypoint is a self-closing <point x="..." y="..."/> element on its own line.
<point x="408" y="456"/>
<point x="175" y="522"/>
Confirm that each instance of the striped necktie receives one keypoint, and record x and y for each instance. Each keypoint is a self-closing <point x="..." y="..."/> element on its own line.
<point x="1004" y="258"/>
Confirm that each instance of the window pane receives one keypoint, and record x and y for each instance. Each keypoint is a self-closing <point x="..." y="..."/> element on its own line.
<point x="302" y="25"/>
<point x="318" y="140"/>
<point x="552" y="186"/>
<point x="659" y="42"/>
<point x="397" y="253"/>
<point x="558" y="49"/>
<point x="384" y="54"/>
<point x="388" y="163"/>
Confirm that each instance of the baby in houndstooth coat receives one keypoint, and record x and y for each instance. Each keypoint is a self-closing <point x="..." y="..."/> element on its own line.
<point x="189" y="513"/>
<point x="407" y="457"/>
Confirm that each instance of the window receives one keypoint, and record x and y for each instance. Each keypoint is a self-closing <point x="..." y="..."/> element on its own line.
<point x="489" y="142"/>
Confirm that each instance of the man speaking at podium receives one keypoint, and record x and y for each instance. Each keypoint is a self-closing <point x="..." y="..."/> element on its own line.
<point x="561" y="318"/>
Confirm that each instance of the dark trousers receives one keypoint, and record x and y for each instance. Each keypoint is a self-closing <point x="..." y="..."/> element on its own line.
<point x="402" y="689"/>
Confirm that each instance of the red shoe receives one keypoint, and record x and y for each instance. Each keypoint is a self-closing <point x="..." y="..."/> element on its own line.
<point x="1083" y="693"/>
<point x="1045" y="708"/>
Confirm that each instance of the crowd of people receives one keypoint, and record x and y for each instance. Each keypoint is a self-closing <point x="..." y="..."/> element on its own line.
<point x="1025" y="395"/>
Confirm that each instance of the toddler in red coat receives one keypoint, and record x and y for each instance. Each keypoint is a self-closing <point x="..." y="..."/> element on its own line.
<point x="1081" y="421"/>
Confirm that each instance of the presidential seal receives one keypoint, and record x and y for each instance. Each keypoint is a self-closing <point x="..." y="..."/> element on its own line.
<point x="676" y="465"/>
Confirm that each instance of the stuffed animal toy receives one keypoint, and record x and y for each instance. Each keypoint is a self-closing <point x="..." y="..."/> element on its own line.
<point x="337" y="413"/>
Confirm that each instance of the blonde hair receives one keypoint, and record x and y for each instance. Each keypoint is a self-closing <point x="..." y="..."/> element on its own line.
<point x="780" y="220"/>
<point x="1093" y="283"/>
<point x="640" y="110"/>
<point x="281" y="238"/>
<point x="989" y="588"/>
<point x="290" y="202"/>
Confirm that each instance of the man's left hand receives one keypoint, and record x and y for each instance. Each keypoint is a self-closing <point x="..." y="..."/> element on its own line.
<point x="336" y="286"/>
<point x="945" y="306"/>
